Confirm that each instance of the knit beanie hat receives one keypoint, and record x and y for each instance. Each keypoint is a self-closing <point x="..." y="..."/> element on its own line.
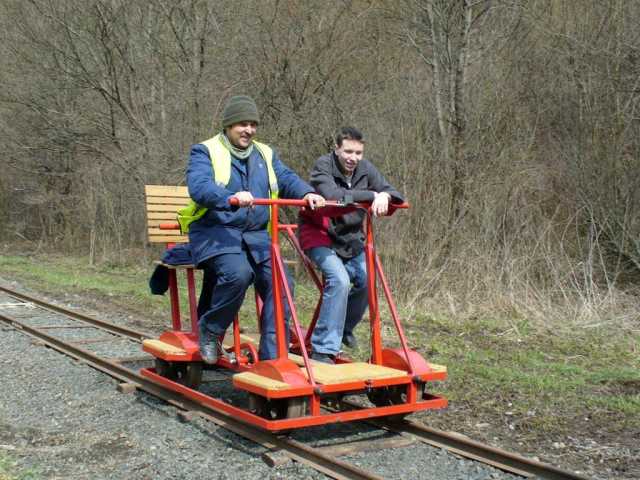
<point x="239" y="108"/>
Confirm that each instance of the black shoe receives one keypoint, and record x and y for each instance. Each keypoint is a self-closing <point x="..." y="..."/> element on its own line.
<point x="349" y="340"/>
<point x="322" y="357"/>
<point x="210" y="346"/>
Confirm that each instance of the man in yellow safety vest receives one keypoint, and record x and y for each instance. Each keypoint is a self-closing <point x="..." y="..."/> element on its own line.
<point x="232" y="244"/>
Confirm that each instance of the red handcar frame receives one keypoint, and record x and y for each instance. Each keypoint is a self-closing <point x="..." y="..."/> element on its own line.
<point x="284" y="394"/>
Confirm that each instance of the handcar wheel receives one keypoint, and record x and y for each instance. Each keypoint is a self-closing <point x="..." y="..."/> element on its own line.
<point x="387" y="396"/>
<point x="189" y="374"/>
<point x="266" y="408"/>
<point x="297" y="407"/>
<point x="294" y="407"/>
<point x="334" y="401"/>
<point x="380" y="397"/>
<point x="165" y="369"/>
<point x="277" y="408"/>
<point x="257" y="404"/>
<point x="250" y="358"/>
<point x="271" y="409"/>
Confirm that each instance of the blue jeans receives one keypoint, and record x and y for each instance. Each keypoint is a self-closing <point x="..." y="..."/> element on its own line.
<point x="226" y="280"/>
<point x="343" y="305"/>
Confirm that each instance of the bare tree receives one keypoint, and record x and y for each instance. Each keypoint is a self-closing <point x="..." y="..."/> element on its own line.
<point x="511" y="125"/>
<point x="447" y="37"/>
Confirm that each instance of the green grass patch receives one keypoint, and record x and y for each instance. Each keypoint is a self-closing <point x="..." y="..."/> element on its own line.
<point x="119" y="287"/>
<point x="545" y="379"/>
<point x="124" y="288"/>
<point x="10" y="471"/>
<point x="64" y="274"/>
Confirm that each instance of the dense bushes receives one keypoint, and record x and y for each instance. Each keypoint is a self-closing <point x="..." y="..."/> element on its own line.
<point x="512" y="126"/>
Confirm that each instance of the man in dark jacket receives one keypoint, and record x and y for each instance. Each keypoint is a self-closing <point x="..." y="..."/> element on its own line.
<point x="232" y="244"/>
<point x="336" y="244"/>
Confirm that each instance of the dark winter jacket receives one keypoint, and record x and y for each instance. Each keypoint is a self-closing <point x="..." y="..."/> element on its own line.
<point x="342" y="233"/>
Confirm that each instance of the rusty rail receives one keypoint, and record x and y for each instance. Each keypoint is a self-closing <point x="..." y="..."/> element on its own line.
<point x="327" y="464"/>
<point x="304" y="454"/>
<point x="116" y="329"/>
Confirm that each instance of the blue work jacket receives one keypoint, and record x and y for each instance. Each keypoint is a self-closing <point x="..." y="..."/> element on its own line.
<point x="224" y="228"/>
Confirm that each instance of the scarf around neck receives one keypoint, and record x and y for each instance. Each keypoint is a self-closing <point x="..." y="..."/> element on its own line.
<point x="241" y="153"/>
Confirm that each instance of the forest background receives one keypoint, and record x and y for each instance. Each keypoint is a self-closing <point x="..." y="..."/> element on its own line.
<point x="511" y="125"/>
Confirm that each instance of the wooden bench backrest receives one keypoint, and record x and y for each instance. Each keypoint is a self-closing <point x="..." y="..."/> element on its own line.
<point x="162" y="203"/>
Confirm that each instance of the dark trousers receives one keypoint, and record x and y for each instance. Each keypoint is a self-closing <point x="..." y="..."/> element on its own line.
<point x="226" y="279"/>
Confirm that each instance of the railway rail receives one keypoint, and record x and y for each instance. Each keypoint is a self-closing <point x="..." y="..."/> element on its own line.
<point x="323" y="460"/>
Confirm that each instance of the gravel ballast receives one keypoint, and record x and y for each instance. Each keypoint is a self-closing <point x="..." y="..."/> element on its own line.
<point x="66" y="420"/>
<point x="62" y="419"/>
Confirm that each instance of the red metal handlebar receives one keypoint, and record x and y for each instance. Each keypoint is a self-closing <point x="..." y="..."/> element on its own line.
<point x="286" y="202"/>
<point x="303" y="203"/>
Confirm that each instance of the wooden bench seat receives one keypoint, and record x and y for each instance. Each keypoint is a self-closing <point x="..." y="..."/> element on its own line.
<point x="162" y="203"/>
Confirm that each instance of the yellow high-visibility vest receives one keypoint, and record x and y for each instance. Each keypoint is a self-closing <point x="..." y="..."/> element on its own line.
<point x="221" y="163"/>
